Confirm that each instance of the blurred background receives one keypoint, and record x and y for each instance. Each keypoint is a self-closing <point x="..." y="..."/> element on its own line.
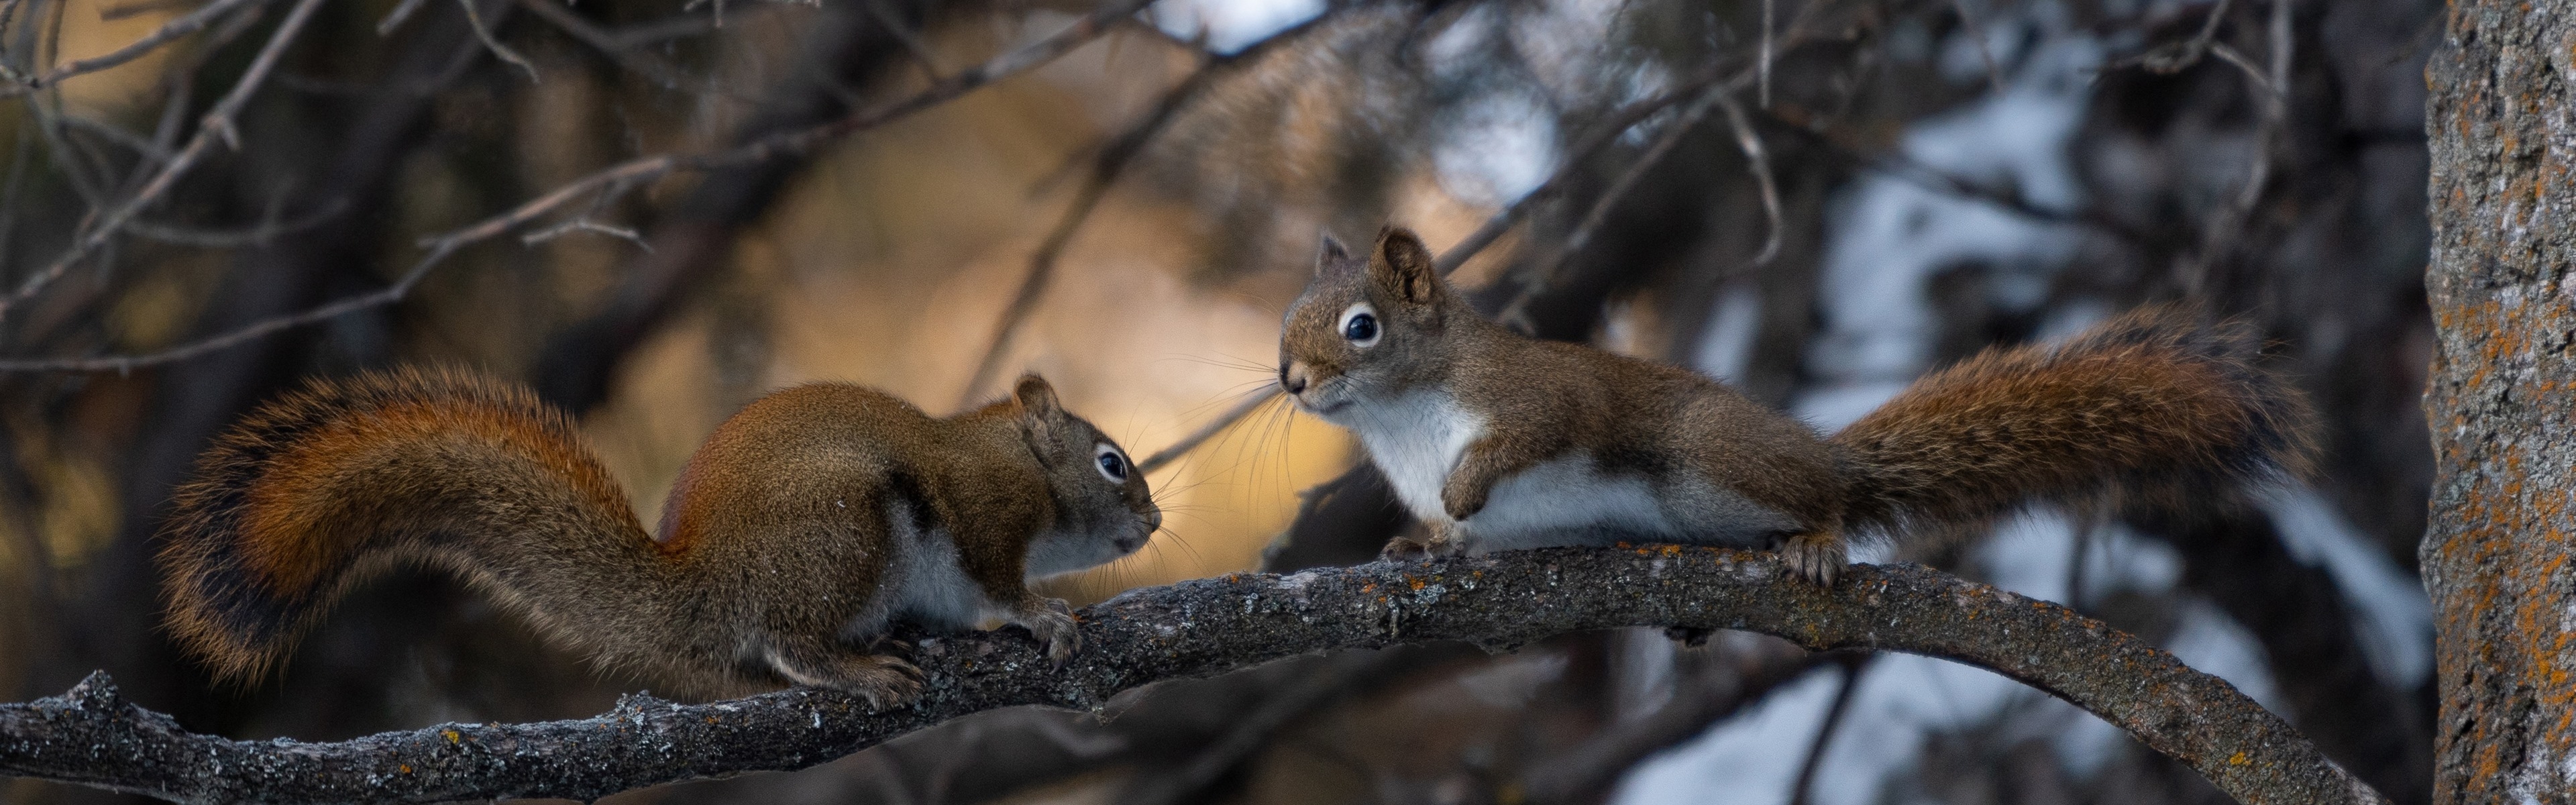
<point x="1815" y="200"/>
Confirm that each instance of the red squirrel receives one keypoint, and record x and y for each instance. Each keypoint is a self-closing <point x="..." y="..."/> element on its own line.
<point x="1497" y="441"/>
<point x="806" y="523"/>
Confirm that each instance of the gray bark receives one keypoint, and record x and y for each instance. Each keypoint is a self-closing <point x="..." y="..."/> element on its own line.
<point x="2496" y="556"/>
<point x="1206" y="627"/>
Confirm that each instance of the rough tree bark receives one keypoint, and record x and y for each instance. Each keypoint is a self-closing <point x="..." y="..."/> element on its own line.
<point x="1197" y="628"/>
<point x="2503" y="137"/>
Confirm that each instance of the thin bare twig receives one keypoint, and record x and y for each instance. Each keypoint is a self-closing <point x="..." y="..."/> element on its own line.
<point x="1977" y="33"/>
<point x="1617" y="122"/>
<point x="1544" y="275"/>
<point x="394" y="19"/>
<point x="1763" y="67"/>
<point x="217" y="123"/>
<point x="585" y="225"/>
<point x="2253" y="72"/>
<point x="911" y="40"/>
<point x="605" y="183"/>
<point x="474" y="18"/>
<point x="1758" y="160"/>
<point x="1800" y="792"/>
<point x="616" y="48"/>
<point x="168" y="32"/>
<point x="2175" y="57"/>
<point x="2229" y="220"/>
<point x="151" y="152"/>
<point x="268" y="228"/>
<point x="1106" y="166"/>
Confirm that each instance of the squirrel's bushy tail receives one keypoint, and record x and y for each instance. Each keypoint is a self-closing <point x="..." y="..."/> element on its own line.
<point x="2151" y="406"/>
<point x="313" y="492"/>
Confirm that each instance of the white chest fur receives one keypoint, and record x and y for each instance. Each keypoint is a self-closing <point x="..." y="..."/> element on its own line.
<point x="1416" y="439"/>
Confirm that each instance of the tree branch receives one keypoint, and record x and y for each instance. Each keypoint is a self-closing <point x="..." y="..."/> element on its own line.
<point x="1200" y="628"/>
<point x="610" y="182"/>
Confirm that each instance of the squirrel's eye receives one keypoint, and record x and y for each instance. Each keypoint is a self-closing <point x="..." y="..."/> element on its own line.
<point x="1359" y="325"/>
<point x="1112" y="465"/>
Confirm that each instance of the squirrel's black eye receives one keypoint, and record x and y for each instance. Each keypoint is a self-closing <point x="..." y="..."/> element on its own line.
<point x="1113" y="466"/>
<point x="1361" y="328"/>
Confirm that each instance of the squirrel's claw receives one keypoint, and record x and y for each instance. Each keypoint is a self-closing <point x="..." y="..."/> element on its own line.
<point x="885" y="682"/>
<point x="1051" y="621"/>
<point x="1816" y="557"/>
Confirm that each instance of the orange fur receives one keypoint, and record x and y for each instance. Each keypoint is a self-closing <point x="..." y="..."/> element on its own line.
<point x="776" y="561"/>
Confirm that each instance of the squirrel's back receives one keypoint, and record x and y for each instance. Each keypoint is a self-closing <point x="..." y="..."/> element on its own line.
<point x="313" y="492"/>
<point x="2152" y="404"/>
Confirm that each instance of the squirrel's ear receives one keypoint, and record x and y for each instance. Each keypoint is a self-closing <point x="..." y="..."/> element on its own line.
<point x="1038" y="408"/>
<point x="1334" y="258"/>
<point x="1402" y="265"/>
<point x="1332" y="254"/>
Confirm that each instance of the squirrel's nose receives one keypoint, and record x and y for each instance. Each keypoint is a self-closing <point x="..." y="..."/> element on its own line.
<point x="1292" y="378"/>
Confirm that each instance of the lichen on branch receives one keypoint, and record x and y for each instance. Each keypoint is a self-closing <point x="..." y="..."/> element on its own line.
<point x="1201" y="628"/>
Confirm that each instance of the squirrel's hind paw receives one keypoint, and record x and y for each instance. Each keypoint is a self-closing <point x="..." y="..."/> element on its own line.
<point x="885" y="682"/>
<point x="1816" y="557"/>
<point x="1440" y="540"/>
<point x="1051" y="620"/>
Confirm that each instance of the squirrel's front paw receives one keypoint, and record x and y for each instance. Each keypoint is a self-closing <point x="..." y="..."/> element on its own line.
<point x="1461" y="501"/>
<point x="1051" y="620"/>
<point x="1816" y="557"/>
<point x="886" y="682"/>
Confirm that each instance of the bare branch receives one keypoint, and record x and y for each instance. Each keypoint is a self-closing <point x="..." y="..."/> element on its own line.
<point x="2229" y="220"/>
<point x="2173" y="58"/>
<point x="1758" y="160"/>
<point x="911" y="40"/>
<point x="1802" y="791"/>
<point x="170" y="31"/>
<point x="617" y="48"/>
<point x="474" y="17"/>
<point x="217" y="123"/>
<point x="1545" y="274"/>
<point x="1763" y="66"/>
<point x="606" y="183"/>
<point x="266" y="229"/>
<point x="1602" y="134"/>
<point x="585" y="225"/>
<point x="395" y="18"/>
<point x="1106" y="165"/>
<point x="1977" y="33"/>
<point x="1200" y="628"/>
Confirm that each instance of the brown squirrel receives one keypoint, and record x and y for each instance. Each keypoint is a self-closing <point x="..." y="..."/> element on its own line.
<point x="1498" y="441"/>
<point x="803" y="525"/>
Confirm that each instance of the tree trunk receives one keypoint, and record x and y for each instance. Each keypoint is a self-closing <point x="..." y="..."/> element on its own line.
<point x="2495" y="558"/>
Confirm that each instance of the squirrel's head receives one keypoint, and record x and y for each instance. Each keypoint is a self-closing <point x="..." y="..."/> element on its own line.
<point x="1103" y="510"/>
<point x="1366" y="326"/>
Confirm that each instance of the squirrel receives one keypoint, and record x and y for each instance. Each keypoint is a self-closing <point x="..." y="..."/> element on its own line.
<point x="1496" y="441"/>
<point x="807" y="522"/>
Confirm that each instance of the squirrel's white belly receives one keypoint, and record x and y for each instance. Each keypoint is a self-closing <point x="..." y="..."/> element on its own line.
<point x="1417" y="438"/>
<point x="1567" y="501"/>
